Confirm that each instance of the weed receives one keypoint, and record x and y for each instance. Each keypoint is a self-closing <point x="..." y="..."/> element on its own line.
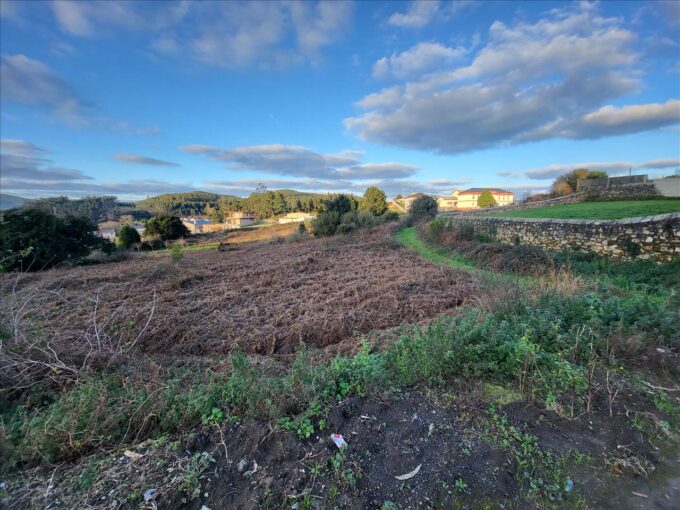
<point x="189" y="483"/>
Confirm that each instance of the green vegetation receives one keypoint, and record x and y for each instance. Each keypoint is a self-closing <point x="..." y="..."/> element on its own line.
<point x="374" y="201"/>
<point x="543" y="346"/>
<point x="567" y="183"/>
<point x="95" y="209"/>
<point x="611" y="210"/>
<point x="424" y="207"/>
<point x="32" y="239"/>
<point x="165" y="228"/>
<point x="127" y="237"/>
<point x="486" y="199"/>
<point x="409" y="238"/>
<point x="344" y="213"/>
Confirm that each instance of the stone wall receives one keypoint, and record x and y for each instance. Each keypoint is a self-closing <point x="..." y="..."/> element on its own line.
<point x="609" y="182"/>
<point x="566" y="199"/>
<point x="653" y="237"/>
<point x="635" y="191"/>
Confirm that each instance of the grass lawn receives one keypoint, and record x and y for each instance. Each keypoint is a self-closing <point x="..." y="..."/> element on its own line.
<point x="598" y="210"/>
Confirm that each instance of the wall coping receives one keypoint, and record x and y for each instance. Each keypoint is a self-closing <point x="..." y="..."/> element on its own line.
<point x="622" y="221"/>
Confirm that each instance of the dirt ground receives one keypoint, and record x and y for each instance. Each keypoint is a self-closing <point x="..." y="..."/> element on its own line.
<point x="465" y="462"/>
<point x="263" y="298"/>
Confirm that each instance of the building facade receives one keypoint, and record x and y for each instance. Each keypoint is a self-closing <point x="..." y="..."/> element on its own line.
<point x="466" y="200"/>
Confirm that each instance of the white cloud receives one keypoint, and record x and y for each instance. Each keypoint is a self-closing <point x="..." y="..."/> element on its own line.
<point x="31" y="82"/>
<point x="25" y="162"/>
<point x="612" y="167"/>
<point x="27" y="81"/>
<point x="418" y="14"/>
<point x="422" y="57"/>
<point x="138" y="159"/>
<point x="532" y="81"/>
<point x="378" y="171"/>
<point x="223" y="34"/>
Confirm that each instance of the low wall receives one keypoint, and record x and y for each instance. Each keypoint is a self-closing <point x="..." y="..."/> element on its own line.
<point x="653" y="237"/>
<point x="668" y="187"/>
<point x="566" y="199"/>
<point x="628" y="191"/>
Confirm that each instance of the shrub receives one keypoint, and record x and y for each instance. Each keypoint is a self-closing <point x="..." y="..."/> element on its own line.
<point x="388" y="216"/>
<point x="165" y="227"/>
<point x="301" y="229"/>
<point x="424" y="207"/>
<point x="128" y="237"/>
<point x="326" y="223"/>
<point x="33" y="239"/>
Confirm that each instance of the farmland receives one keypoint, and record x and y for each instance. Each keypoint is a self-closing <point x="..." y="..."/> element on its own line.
<point x="489" y="376"/>
<point x="613" y="210"/>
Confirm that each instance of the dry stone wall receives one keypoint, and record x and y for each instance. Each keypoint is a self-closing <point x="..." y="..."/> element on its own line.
<point x="653" y="237"/>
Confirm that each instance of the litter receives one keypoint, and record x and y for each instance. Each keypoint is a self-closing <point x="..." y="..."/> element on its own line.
<point x="250" y="473"/>
<point x="570" y="486"/>
<point x="133" y="456"/>
<point x="409" y="475"/>
<point x="640" y="495"/>
<point x="338" y="440"/>
<point x="150" y="495"/>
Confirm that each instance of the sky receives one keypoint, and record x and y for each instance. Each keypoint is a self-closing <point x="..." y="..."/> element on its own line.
<point x="141" y="98"/>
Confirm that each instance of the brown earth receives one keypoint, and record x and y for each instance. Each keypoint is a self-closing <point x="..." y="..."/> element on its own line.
<point x="450" y="433"/>
<point x="264" y="299"/>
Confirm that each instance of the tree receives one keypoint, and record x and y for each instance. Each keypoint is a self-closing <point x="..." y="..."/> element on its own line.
<point x="33" y="239"/>
<point x="127" y="237"/>
<point x="374" y="201"/>
<point x="423" y="207"/>
<point x="165" y="227"/>
<point x="398" y="197"/>
<point x="567" y="183"/>
<point x="341" y="204"/>
<point x="486" y="199"/>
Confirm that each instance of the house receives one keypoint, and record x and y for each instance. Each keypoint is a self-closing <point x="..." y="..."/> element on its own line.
<point x="201" y="225"/>
<point x="409" y="199"/>
<point x="297" y="217"/>
<point x="238" y="219"/>
<point x="466" y="200"/>
<point x="232" y="220"/>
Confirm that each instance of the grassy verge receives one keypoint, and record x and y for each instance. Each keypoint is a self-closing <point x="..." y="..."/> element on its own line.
<point x="611" y="210"/>
<point x="409" y="238"/>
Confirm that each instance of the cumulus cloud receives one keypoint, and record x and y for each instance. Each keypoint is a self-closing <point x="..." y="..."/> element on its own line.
<point x="137" y="159"/>
<point x="422" y="12"/>
<point x="613" y="167"/>
<point x="553" y="78"/>
<point x="417" y="15"/>
<point x="422" y="57"/>
<point x="309" y="170"/>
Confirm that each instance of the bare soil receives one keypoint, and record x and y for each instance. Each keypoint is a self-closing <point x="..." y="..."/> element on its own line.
<point x="448" y="433"/>
<point x="265" y="298"/>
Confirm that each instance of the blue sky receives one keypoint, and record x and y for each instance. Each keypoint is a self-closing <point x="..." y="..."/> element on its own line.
<point x="136" y="99"/>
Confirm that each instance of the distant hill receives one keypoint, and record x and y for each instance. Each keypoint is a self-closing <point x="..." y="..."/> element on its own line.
<point x="10" y="201"/>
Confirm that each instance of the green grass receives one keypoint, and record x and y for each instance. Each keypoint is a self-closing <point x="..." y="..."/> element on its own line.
<point x="409" y="238"/>
<point x="598" y="210"/>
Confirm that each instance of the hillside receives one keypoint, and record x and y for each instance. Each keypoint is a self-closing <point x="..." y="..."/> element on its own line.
<point x="10" y="201"/>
